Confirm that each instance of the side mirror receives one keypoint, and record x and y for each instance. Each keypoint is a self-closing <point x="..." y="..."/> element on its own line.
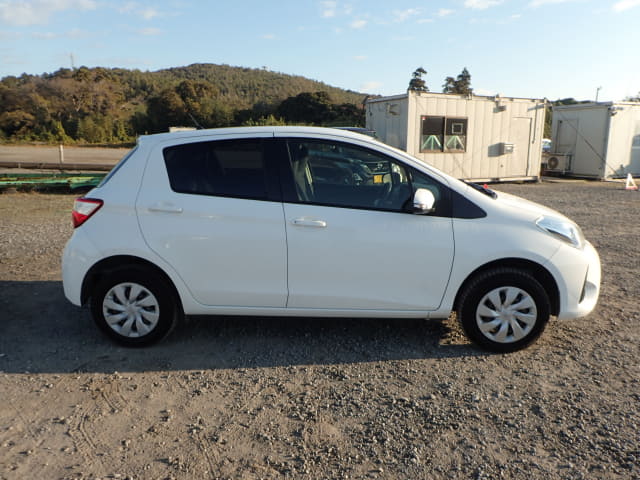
<point x="423" y="201"/>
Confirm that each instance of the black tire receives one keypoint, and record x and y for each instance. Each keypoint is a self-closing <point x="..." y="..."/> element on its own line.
<point x="134" y="306"/>
<point x="519" y="318"/>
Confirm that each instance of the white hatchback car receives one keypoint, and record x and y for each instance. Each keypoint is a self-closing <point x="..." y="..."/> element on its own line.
<point x="316" y="222"/>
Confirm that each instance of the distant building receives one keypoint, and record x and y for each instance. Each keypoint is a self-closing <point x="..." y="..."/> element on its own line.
<point x="598" y="140"/>
<point x="470" y="137"/>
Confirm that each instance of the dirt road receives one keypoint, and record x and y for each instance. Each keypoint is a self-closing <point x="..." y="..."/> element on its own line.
<point x="249" y="398"/>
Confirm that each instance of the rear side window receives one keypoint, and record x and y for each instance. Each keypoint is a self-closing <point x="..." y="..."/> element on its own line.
<point x="230" y="168"/>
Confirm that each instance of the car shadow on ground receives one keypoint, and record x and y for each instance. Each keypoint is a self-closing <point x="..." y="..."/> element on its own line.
<point x="41" y="332"/>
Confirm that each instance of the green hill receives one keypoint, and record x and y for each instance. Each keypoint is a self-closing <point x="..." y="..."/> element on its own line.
<point x="248" y="86"/>
<point x="102" y="105"/>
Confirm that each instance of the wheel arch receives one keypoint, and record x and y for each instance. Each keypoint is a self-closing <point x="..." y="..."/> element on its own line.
<point x="541" y="274"/>
<point x="121" y="262"/>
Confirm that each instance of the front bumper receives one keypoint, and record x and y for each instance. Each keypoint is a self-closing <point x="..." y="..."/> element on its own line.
<point x="578" y="274"/>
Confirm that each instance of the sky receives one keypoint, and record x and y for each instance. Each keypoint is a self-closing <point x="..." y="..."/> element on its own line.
<point x="518" y="48"/>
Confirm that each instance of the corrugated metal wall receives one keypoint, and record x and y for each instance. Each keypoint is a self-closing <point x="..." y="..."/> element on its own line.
<point x="623" y="152"/>
<point x="603" y="139"/>
<point x="389" y="120"/>
<point x="491" y="121"/>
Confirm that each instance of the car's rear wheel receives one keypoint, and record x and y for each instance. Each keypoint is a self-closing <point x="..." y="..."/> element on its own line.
<point x="504" y="309"/>
<point x="134" y="306"/>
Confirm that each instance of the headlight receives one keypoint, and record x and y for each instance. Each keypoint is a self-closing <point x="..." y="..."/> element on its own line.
<point x="562" y="229"/>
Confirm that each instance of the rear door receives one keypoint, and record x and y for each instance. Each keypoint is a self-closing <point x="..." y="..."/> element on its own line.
<point x="211" y="209"/>
<point x="352" y="242"/>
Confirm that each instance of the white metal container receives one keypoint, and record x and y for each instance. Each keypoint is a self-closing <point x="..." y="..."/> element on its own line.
<point x="499" y="138"/>
<point x="602" y="139"/>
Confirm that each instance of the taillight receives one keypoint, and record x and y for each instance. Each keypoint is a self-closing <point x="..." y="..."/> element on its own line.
<point x="83" y="208"/>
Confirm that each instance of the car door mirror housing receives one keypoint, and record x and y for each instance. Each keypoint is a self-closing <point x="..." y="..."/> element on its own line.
<point x="423" y="201"/>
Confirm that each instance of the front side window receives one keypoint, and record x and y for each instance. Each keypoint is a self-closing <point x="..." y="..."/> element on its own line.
<point x="338" y="174"/>
<point x="232" y="168"/>
<point x="443" y="134"/>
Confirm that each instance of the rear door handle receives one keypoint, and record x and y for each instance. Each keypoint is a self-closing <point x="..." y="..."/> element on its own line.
<point x="305" y="222"/>
<point x="165" y="208"/>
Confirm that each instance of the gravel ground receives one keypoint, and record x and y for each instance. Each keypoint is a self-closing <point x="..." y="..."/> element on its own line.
<point x="249" y="398"/>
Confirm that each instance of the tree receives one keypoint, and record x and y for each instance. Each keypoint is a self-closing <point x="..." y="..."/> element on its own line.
<point x="460" y="85"/>
<point x="306" y="107"/>
<point x="417" y="84"/>
<point x="449" y="85"/>
<point x="114" y="104"/>
<point x="167" y="110"/>
<point x="17" y="122"/>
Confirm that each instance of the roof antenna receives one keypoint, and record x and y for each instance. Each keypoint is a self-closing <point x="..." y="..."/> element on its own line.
<point x="195" y="122"/>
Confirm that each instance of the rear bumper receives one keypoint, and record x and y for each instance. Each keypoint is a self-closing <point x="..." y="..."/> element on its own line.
<point x="78" y="257"/>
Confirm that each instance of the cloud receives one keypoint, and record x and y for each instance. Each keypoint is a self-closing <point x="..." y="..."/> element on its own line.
<point x="268" y="36"/>
<point x="127" y="7"/>
<point x="370" y="86"/>
<point x="134" y="8"/>
<point x="74" y="33"/>
<point x="623" y="5"/>
<point x="481" y="4"/>
<point x="539" y="3"/>
<point x="403" y="15"/>
<point x="358" y="24"/>
<point x="10" y="36"/>
<point x="360" y="58"/>
<point x="328" y="9"/>
<point x="148" y="13"/>
<point x="34" y="12"/>
<point x="426" y="20"/>
<point x="443" y="12"/>
<point x="44" y="35"/>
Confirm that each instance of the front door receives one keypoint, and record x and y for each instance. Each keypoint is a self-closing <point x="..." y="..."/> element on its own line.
<point x="352" y="243"/>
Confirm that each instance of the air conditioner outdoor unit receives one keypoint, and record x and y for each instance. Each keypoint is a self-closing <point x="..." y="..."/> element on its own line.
<point x="558" y="162"/>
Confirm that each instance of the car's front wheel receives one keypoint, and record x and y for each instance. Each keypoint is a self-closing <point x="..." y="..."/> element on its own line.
<point x="504" y="309"/>
<point x="134" y="306"/>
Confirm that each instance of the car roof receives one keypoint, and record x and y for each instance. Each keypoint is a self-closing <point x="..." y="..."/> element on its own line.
<point x="274" y="130"/>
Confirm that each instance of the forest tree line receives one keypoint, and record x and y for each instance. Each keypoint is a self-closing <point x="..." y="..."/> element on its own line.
<point x="103" y="105"/>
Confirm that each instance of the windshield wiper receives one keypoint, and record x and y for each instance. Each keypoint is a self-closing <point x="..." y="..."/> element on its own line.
<point x="482" y="189"/>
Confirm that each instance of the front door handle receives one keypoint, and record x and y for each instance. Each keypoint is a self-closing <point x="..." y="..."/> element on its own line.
<point x="305" y="222"/>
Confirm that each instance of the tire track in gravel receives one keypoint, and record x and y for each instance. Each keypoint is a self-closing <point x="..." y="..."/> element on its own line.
<point x="82" y="441"/>
<point x="206" y="447"/>
<point x="112" y="396"/>
<point x="105" y="393"/>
